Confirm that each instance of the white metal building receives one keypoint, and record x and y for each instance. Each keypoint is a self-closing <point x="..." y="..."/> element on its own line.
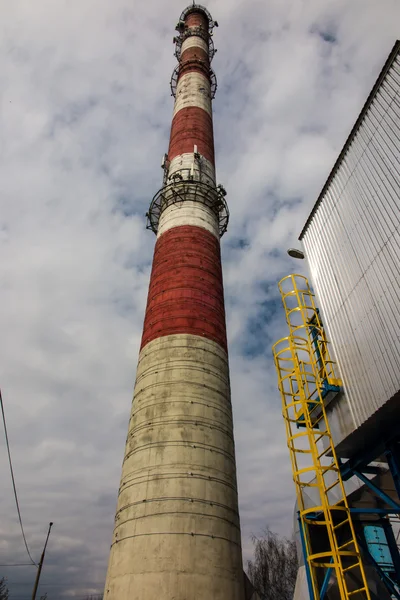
<point x="352" y="243"/>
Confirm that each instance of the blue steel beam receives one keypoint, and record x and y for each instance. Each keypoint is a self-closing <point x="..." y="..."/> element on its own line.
<point x="393" y="548"/>
<point x="374" y="511"/>
<point x="325" y="583"/>
<point x="377" y="491"/>
<point x="392" y="455"/>
<point x="384" y="578"/>
<point x="307" y="566"/>
<point x="362" y="459"/>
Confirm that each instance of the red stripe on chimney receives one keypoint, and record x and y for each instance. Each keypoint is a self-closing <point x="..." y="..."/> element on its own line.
<point x="192" y="126"/>
<point x="186" y="290"/>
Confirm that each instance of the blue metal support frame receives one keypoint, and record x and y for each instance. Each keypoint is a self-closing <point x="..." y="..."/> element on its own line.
<point x="307" y="566"/>
<point x="374" y="511"/>
<point x="377" y="491"/>
<point x="393" y="458"/>
<point x="326" y="387"/>
<point x="314" y="337"/>
<point x="325" y="583"/>
<point x="383" y="576"/>
<point x="359" y="467"/>
<point x="362" y="460"/>
<point x="393" y="548"/>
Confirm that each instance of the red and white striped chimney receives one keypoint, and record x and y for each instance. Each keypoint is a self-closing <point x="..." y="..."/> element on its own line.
<point x="177" y="531"/>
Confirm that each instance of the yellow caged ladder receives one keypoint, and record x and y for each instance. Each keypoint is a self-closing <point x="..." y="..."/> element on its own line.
<point x="306" y="377"/>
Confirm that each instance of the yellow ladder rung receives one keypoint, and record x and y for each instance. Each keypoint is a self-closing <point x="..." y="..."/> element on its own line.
<point x="345" y="545"/>
<point x="331" y="467"/>
<point x="320" y="418"/>
<point x="321" y="435"/>
<point x="363" y="589"/>
<point x="332" y="485"/>
<point x="315" y="403"/>
<point x="340" y="524"/>
<point x="357" y="564"/>
<point x="312" y="410"/>
<point x="324" y="452"/>
<point x="314" y="415"/>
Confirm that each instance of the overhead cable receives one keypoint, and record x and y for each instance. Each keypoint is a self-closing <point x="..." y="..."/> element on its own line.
<point x="13" y="479"/>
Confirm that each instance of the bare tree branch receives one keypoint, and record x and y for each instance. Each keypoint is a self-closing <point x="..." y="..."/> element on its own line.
<point x="273" y="570"/>
<point x="4" y="593"/>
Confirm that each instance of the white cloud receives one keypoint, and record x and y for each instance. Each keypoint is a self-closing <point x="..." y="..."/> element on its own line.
<point x="85" y="113"/>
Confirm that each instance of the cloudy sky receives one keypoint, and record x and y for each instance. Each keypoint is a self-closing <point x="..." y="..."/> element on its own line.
<point x="84" y="122"/>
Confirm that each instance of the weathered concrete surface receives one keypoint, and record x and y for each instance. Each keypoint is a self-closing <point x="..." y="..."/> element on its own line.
<point x="203" y="170"/>
<point x="186" y="292"/>
<point x="194" y="41"/>
<point x="188" y="213"/>
<point x="177" y="533"/>
<point x="193" y="89"/>
<point x="191" y="126"/>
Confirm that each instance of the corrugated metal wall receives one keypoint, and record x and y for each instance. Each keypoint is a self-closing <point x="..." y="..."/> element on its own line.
<point x="352" y="243"/>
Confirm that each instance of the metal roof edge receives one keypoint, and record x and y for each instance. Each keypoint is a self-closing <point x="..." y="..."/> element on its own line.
<point x="395" y="50"/>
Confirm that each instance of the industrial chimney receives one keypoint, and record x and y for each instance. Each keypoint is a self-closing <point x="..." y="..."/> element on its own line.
<point x="177" y="531"/>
